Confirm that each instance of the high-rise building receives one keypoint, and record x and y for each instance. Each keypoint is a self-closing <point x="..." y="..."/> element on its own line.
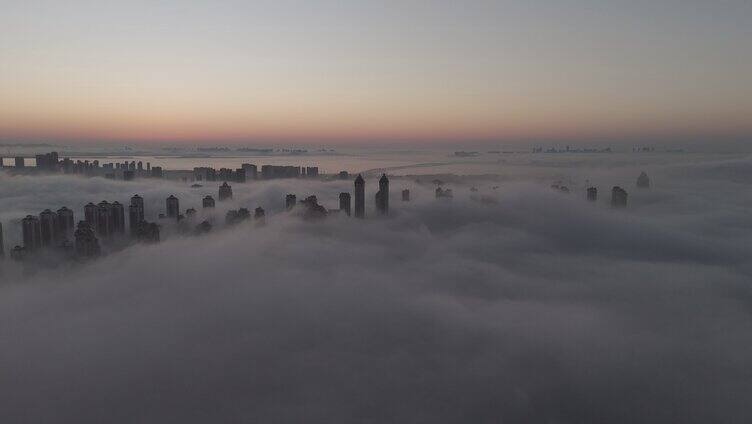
<point x="225" y="192"/>
<point x="137" y="200"/>
<point x="240" y="175"/>
<point x="20" y="162"/>
<point x="290" y="201"/>
<point x="31" y="232"/>
<point x="90" y="214"/>
<point x="118" y="218"/>
<point x="48" y="227"/>
<point x="208" y="202"/>
<point x="405" y="195"/>
<point x="65" y="222"/>
<point x="643" y="181"/>
<point x="173" y="207"/>
<point x="135" y="218"/>
<point x="360" y="197"/>
<point x="156" y="172"/>
<point x="250" y="171"/>
<point x="382" y="196"/>
<point x="312" y="171"/>
<point x="592" y="194"/>
<point x="86" y="243"/>
<point x="618" y="197"/>
<point x="344" y="203"/>
<point x="105" y="221"/>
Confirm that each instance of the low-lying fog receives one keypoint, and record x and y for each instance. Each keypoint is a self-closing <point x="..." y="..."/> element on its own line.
<point x="540" y="307"/>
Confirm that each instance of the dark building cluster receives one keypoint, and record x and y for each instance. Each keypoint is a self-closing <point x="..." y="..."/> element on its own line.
<point x="51" y="163"/>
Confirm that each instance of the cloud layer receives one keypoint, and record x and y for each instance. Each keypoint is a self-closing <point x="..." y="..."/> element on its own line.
<point x="539" y="308"/>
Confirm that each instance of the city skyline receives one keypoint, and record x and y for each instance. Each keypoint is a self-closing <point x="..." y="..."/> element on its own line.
<point x="360" y="73"/>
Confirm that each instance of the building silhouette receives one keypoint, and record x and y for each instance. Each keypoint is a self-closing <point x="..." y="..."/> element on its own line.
<point x="147" y="232"/>
<point x="405" y="195"/>
<point x="90" y="214"/>
<point x="173" y="207"/>
<point x="382" y="196"/>
<point x="48" y="227"/>
<point x="251" y="172"/>
<point x="208" y="202"/>
<point x="65" y="223"/>
<point x="31" y="233"/>
<point x="344" y="203"/>
<point x="105" y="220"/>
<point x="592" y="194"/>
<point x="643" y="181"/>
<point x="290" y="201"/>
<point x="156" y="172"/>
<point x="360" y="197"/>
<point x="20" y="162"/>
<point x="225" y="192"/>
<point x="618" y="197"/>
<point x="118" y="217"/>
<point x="86" y="243"/>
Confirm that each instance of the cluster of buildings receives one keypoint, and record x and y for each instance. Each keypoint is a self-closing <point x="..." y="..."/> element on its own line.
<point x="618" y="194"/>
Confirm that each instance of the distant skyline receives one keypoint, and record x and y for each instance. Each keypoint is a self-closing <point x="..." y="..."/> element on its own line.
<point x="359" y="72"/>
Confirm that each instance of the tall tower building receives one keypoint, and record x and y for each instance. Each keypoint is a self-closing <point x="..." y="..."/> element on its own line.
<point x="290" y="201"/>
<point x="618" y="197"/>
<point x="104" y="219"/>
<point x="135" y="218"/>
<point x="31" y="233"/>
<point x="65" y="222"/>
<point x="250" y="171"/>
<point x="208" y="202"/>
<point x="592" y="194"/>
<point x="344" y="203"/>
<point x="48" y="227"/>
<point x="225" y="192"/>
<point x="382" y="196"/>
<point x="86" y="243"/>
<point x="118" y="217"/>
<point x="360" y="197"/>
<point x="173" y="207"/>
<point x="90" y="214"/>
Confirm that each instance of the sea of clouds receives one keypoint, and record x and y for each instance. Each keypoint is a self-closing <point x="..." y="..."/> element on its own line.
<point x="536" y="307"/>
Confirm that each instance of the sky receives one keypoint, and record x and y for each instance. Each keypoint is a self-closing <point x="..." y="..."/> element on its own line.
<point x="359" y="72"/>
<point x="538" y="308"/>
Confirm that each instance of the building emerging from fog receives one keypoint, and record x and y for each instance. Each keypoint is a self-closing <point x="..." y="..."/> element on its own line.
<point x="65" y="222"/>
<point x="31" y="233"/>
<point x="225" y="192"/>
<point x="618" y="197"/>
<point x="173" y="207"/>
<point x="643" y="181"/>
<point x="382" y="196"/>
<point x="360" y="197"/>
<point x="592" y="194"/>
<point x="290" y="201"/>
<point x="208" y="202"/>
<point x="48" y="227"/>
<point x="405" y="195"/>
<point x="86" y="243"/>
<point x="344" y="203"/>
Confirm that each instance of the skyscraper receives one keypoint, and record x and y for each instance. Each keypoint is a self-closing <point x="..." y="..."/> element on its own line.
<point x="405" y="195"/>
<point x="344" y="203"/>
<point x="65" y="222"/>
<point x="592" y="194"/>
<point x="250" y="171"/>
<point x="225" y="191"/>
<point x="173" y="207"/>
<point x="208" y="202"/>
<point x="618" y="197"/>
<point x="90" y="215"/>
<point x="382" y="196"/>
<point x="290" y="201"/>
<point x="48" y="227"/>
<point x="105" y="223"/>
<point x="86" y="243"/>
<point x="31" y="233"/>
<point x="118" y="218"/>
<point x="643" y="181"/>
<point x="360" y="197"/>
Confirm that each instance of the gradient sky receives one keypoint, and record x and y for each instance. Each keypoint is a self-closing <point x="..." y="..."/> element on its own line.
<point x="364" y="71"/>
